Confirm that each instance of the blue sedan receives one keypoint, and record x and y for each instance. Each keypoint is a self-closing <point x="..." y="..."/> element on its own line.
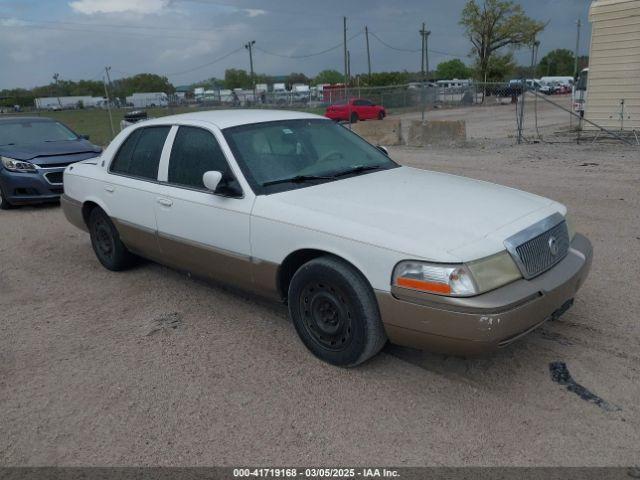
<point x="34" y="151"/>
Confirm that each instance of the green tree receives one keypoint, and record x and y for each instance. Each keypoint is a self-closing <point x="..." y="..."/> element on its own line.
<point x="381" y="79"/>
<point x="294" y="77"/>
<point x="558" y="62"/>
<point x="236" y="78"/>
<point x="143" y="82"/>
<point x="328" y="76"/>
<point x="500" y="67"/>
<point x="453" y="69"/>
<point x="495" y="24"/>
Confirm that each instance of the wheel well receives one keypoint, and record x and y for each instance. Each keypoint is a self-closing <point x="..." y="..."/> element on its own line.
<point x="295" y="260"/>
<point x="87" y="208"/>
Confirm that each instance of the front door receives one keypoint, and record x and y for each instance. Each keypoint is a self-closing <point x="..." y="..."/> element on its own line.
<point x="198" y="230"/>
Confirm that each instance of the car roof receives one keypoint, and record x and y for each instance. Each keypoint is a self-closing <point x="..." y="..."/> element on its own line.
<point x="13" y="118"/>
<point x="232" y="118"/>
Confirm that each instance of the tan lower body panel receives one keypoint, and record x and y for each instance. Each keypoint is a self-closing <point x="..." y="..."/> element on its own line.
<point x="72" y="210"/>
<point x="220" y="265"/>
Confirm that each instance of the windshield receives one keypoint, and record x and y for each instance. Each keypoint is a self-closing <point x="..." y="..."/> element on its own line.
<point x="283" y="155"/>
<point x="33" y="131"/>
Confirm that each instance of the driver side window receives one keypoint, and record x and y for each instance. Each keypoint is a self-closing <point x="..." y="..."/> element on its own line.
<point x="194" y="152"/>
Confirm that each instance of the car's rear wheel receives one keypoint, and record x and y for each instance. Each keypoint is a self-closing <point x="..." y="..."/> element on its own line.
<point x="4" y="203"/>
<point x="335" y="312"/>
<point x="108" y="247"/>
<point x="354" y="117"/>
<point x="380" y="115"/>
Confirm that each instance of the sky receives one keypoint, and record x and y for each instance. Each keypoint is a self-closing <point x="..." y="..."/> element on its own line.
<point x="191" y="40"/>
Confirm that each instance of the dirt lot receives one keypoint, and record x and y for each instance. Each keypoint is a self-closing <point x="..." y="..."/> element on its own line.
<point x="149" y="367"/>
<point x="497" y="118"/>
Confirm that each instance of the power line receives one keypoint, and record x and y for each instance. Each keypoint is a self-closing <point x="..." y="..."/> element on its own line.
<point x="410" y="50"/>
<point x="315" y="54"/>
<point x="219" y="59"/>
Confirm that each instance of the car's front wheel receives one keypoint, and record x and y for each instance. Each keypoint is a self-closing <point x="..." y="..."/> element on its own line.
<point x="4" y="203"/>
<point x="108" y="247"/>
<point x="335" y="312"/>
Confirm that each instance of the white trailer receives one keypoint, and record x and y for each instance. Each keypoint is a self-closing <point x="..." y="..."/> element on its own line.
<point x="150" y="99"/>
<point x="62" y="103"/>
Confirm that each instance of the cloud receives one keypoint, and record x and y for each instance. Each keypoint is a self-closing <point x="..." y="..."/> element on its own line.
<point x="12" y="22"/>
<point x="254" y="12"/>
<point x="91" y="7"/>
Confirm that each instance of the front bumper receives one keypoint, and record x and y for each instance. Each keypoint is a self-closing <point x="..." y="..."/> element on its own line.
<point x="45" y="185"/>
<point x="474" y="325"/>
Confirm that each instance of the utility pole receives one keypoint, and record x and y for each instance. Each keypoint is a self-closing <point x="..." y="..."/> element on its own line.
<point x="366" y="34"/>
<point x="249" y="46"/>
<point x="106" y="93"/>
<point x="422" y="51"/>
<point x="55" y="78"/>
<point x="577" y="51"/>
<point x="344" y="44"/>
<point x="349" y="63"/>
<point x="424" y="66"/>
<point x="346" y="64"/>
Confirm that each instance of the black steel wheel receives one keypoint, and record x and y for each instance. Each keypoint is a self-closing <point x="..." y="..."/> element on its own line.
<point x="354" y="117"/>
<point x="335" y="312"/>
<point x="108" y="247"/>
<point x="326" y="316"/>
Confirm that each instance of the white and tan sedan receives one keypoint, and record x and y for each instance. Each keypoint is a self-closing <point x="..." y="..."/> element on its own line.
<point x="302" y="210"/>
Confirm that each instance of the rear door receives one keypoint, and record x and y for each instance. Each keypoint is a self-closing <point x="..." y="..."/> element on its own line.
<point x="198" y="230"/>
<point x="132" y="188"/>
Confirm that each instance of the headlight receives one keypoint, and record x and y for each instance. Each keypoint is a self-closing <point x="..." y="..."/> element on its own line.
<point x="494" y="271"/>
<point x="17" y="165"/>
<point x="460" y="280"/>
<point x="452" y="280"/>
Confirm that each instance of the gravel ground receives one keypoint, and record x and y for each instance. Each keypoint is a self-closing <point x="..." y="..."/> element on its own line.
<point x="150" y="367"/>
<point x="495" y="120"/>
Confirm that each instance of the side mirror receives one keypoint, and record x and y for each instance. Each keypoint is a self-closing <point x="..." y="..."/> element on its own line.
<point x="383" y="149"/>
<point x="211" y="179"/>
<point x="84" y="137"/>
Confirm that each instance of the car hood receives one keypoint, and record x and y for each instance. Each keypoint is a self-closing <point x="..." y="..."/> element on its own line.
<point x="424" y="214"/>
<point x="81" y="149"/>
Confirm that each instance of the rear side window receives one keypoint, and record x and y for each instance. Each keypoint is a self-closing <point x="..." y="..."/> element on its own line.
<point x="139" y="155"/>
<point x="194" y="152"/>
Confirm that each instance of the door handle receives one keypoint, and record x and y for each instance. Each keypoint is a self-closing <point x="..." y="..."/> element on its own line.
<point x="165" y="202"/>
<point x="109" y="189"/>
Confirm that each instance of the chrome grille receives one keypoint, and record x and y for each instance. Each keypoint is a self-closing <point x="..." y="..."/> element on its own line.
<point x="540" y="247"/>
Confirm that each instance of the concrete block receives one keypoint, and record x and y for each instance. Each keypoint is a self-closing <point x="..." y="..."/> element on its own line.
<point x="436" y="132"/>
<point x="379" y="132"/>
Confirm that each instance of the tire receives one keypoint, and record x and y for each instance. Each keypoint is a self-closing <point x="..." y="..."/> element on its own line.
<point x="335" y="312"/>
<point x="106" y="242"/>
<point x="354" y="118"/>
<point x="4" y="203"/>
<point x="380" y="115"/>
